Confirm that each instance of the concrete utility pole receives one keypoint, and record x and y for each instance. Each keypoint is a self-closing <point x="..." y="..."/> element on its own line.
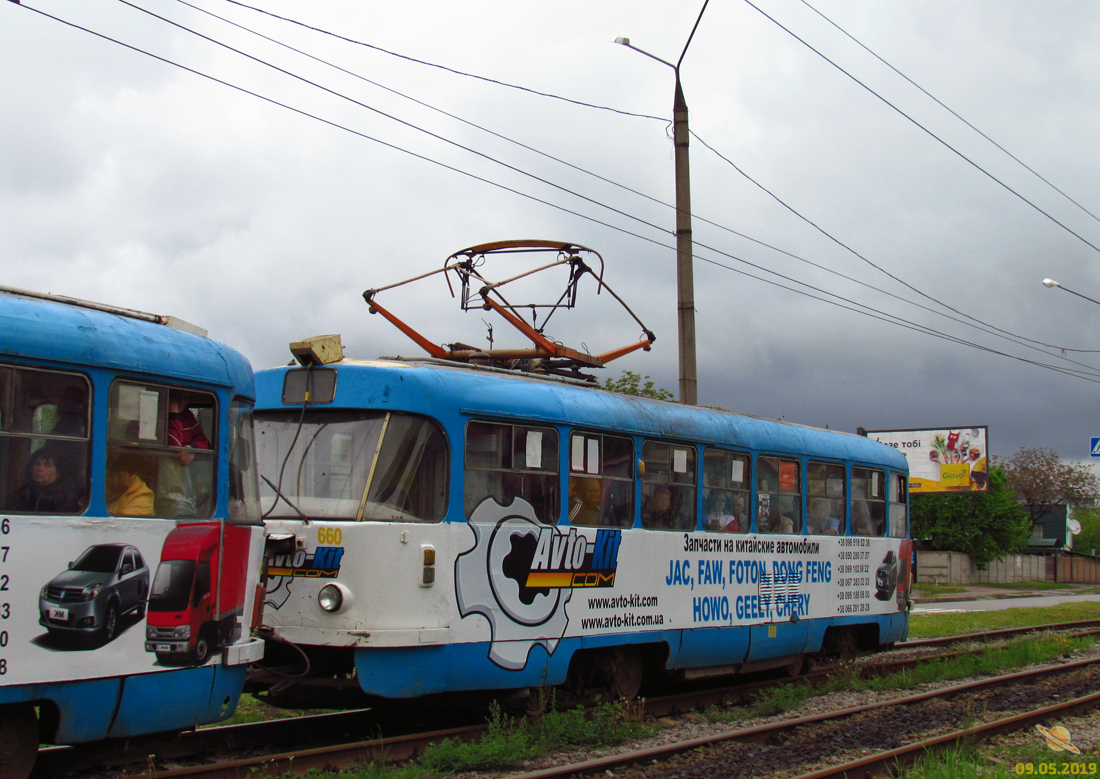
<point x="685" y="276"/>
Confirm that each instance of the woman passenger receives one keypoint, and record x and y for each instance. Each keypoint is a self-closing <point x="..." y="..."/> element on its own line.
<point x="48" y="489"/>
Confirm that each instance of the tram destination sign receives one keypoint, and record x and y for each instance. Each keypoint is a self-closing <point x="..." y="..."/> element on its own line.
<point x="942" y="459"/>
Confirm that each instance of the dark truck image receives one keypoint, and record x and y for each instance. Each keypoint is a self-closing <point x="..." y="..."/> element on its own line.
<point x="198" y="592"/>
<point x="104" y="584"/>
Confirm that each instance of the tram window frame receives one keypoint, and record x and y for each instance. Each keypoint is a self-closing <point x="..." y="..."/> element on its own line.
<point x="526" y="465"/>
<point x="786" y="471"/>
<point x="661" y="475"/>
<point x="590" y="464"/>
<point x="899" y="505"/>
<point x="410" y="494"/>
<point x="869" y="496"/>
<point x="31" y="397"/>
<point x="719" y="481"/>
<point x="825" y="488"/>
<point x="244" y="482"/>
<point x="182" y="479"/>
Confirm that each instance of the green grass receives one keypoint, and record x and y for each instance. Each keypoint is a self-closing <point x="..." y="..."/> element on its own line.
<point x="957" y="624"/>
<point x="509" y="742"/>
<point x="993" y="660"/>
<point x="250" y="709"/>
<point x="1001" y="761"/>
<point x="928" y="589"/>
<point x="1030" y="586"/>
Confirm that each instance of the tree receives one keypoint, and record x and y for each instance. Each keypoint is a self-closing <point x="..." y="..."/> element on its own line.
<point x="630" y="383"/>
<point x="984" y="525"/>
<point x="1041" y="481"/>
<point x="1089" y="538"/>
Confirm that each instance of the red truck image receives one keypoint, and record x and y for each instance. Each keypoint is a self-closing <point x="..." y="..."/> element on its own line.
<point x="198" y="593"/>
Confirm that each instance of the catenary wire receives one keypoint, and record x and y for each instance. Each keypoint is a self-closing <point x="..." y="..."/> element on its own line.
<point x="984" y="327"/>
<point x="443" y="67"/>
<point x="980" y="324"/>
<point x="931" y="134"/>
<point x="867" y="310"/>
<point x="951" y="111"/>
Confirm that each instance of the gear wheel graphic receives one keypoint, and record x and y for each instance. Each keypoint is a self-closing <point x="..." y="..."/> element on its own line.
<point x="518" y="618"/>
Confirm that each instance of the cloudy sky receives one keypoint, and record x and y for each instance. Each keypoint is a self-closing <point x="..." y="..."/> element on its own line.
<point x="863" y="256"/>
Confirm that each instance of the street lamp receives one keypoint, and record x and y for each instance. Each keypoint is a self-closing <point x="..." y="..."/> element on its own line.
<point x="685" y="282"/>
<point x="1053" y="283"/>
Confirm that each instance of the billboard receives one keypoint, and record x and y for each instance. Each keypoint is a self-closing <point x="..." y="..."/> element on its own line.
<point x="942" y="459"/>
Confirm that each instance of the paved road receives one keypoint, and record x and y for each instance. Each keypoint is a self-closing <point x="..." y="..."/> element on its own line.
<point x="996" y="604"/>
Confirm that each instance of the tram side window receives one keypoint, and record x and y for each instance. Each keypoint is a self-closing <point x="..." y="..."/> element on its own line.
<point x="868" y="502"/>
<point x="726" y="491"/>
<point x="161" y="451"/>
<point x="899" y="512"/>
<point x="778" y="495"/>
<point x="668" y="486"/>
<point x="244" y="487"/>
<point x="601" y="480"/>
<point x="825" y="494"/>
<point x="44" y="445"/>
<point x="506" y="462"/>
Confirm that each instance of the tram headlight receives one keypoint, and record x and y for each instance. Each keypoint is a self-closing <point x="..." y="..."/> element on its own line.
<point x="330" y="598"/>
<point x="334" y="597"/>
<point x="91" y="592"/>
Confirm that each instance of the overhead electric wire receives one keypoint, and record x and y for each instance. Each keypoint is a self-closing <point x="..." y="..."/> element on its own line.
<point x="866" y="309"/>
<point x="931" y="134"/>
<point x="442" y="67"/>
<point x="951" y="111"/>
<point x="981" y="325"/>
<point x="575" y="167"/>
<point x="540" y="179"/>
<point x="389" y="116"/>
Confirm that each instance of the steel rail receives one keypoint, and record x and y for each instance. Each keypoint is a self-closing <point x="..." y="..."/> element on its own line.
<point x="762" y="733"/>
<point x="297" y="729"/>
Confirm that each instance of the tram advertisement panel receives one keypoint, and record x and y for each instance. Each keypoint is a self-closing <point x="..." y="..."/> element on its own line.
<point x="81" y="599"/>
<point x="948" y="459"/>
<point x="537" y="584"/>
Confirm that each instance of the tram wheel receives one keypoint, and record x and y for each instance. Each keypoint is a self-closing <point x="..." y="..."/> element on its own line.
<point x="626" y="672"/>
<point x="18" y="741"/>
<point x="796" y="666"/>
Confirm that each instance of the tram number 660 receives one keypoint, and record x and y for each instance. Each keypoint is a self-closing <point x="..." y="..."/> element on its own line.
<point x="329" y="536"/>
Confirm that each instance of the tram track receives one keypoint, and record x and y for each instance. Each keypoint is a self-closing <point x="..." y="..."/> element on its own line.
<point x="310" y="737"/>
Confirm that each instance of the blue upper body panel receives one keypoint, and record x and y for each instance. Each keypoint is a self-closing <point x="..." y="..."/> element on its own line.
<point x="71" y="335"/>
<point x="445" y="392"/>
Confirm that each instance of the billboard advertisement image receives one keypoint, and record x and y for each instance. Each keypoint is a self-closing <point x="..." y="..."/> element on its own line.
<point x="942" y="459"/>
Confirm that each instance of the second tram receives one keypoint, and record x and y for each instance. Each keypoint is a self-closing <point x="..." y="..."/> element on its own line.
<point x="130" y="536"/>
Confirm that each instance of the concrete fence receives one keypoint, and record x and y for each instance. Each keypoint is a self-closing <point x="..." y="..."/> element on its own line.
<point x="956" y="568"/>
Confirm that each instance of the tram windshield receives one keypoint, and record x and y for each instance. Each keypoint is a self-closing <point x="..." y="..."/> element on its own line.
<point x="337" y="465"/>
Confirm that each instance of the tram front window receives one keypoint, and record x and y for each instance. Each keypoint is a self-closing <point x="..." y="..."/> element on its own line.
<point x="351" y="466"/>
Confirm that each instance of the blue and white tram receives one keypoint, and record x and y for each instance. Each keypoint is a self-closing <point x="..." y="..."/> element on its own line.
<point x="439" y="528"/>
<point x="128" y="506"/>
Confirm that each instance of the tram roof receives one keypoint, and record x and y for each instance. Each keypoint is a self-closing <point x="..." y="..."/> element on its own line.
<point x="78" y="334"/>
<point x="440" y="388"/>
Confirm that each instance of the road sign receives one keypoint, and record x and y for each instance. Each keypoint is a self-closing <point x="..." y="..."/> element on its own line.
<point x="1094" y="450"/>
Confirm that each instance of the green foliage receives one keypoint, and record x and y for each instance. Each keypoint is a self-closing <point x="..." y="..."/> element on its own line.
<point x="961" y="623"/>
<point x="781" y="699"/>
<point x="1041" y="481"/>
<point x="509" y="742"/>
<point x="630" y="383"/>
<point x="984" y="525"/>
<point x="1089" y="537"/>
